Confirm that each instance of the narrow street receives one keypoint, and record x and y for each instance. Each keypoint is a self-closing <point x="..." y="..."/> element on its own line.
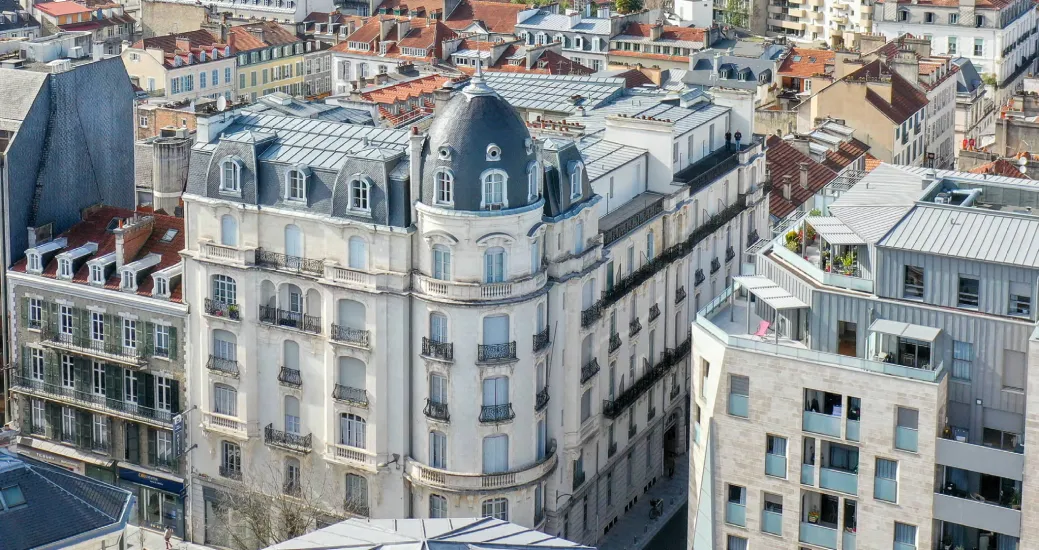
<point x="636" y="531"/>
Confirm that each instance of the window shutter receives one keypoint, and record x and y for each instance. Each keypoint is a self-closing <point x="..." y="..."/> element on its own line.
<point x="84" y="431"/>
<point x="175" y="396"/>
<point x="26" y="362"/>
<point x="133" y="442"/>
<point x="173" y="343"/>
<point x="146" y="389"/>
<point x="153" y="447"/>
<point x="84" y="374"/>
<point x="81" y="320"/>
<point x="53" y="414"/>
<point x="51" y="367"/>
<point x="52" y="316"/>
<point x="25" y="312"/>
<point x="147" y="340"/>
<point x="27" y="416"/>
<point x="113" y="332"/>
<point x="114" y="382"/>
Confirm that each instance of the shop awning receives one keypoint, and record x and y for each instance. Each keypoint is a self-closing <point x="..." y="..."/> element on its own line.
<point x="905" y="330"/>
<point x="768" y="291"/>
<point x="833" y="230"/>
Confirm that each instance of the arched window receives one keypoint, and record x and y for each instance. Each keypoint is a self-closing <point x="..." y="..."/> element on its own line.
<point x="224" y="289"/>
<point x="296" y="185"/>
<point x="358" y="253"/>
<point x="225" y="400"/>
<point x="352" y="373"/>
<point x="437" y="507"/>
<point x="293" y="241"/>
<point x="438" y="327"/>
<point x="437" y="450"/>
<point x="496" y="454"/>
<point x="231" y="176"/>
<point x="359" y="195"/>
<point x="532" y="180"/>
<point x="351" y="430"/>
<point x="497" y="508"/>
<point x="587" y="350"/>
<point x="494" y="190"/>
<point x="356" y="494"/>
<point x="494" y="265"/>
<point x="441" y="262"/>
<point x="445" y="187"/>
<point x="225" y="348"/>
<point x="351" y="314"/>
<point x="292" y="418"/>
<point x="291" y="300"/>
<point x="576" y="177"/>
<point x="228" y="230"/>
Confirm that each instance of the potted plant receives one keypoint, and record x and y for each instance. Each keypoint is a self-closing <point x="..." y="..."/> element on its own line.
<point x="233" y="310"/>
<point x="1015" y="500"/>
<point x="813" y="516"/>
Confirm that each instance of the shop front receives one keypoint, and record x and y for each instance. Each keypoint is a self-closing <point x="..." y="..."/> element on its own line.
<point x="159" y="498"/>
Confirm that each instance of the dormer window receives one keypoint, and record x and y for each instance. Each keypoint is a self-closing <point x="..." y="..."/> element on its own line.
<point x="494" y="190"/>
<point x="162" y="287"/>
<point x="296" y="185"/>
<point x="97" y="274"/>
<point x="576" y="179"/>
<point x="445" y="182"/>
<point x="360" y="191"/>
<point x="65" y="268"/>
<point x="128" y="280"/>
<point x="231" y="176"/>
<point x="33" y="263"/>
<point x="532" y="180"/>
<point x="493" y="152"/>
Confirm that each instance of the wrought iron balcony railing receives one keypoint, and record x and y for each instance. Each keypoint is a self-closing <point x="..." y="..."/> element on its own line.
<point x="730" y="253"/>
<point x="347" y="394"/>
<point x="654" y="312"/>
<point x="589" y="369"/>
<point x="445" y="351"/>
<point x="436" y="410"/>
<point x="634" y="327"/>
<point x="350" y="335"/>
<point x="615" y="342"/>
<point x="223" y="365"/>
<point x="112" y="346"/>
<point x="592" y="314"/>
<point x="715" y="266"/>
<point x="88" y="400"/>
<point x="218" y="308"/>
<point x="266" y="258"/>
<point x="286" y="440"/>
<point x="291" y="319"/>
<point x="290" y="377"/>
<point x="231" y="472"/>
<point x="699" y="278"/>
<point x="489" y="353"/>
<point x="541" y="399"/>
<point x="679" y="294"/>
<point x="497" y="413"/>
<point x="541" y="340"/>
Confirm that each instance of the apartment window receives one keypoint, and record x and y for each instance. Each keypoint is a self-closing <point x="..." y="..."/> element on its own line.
<point x="739" y="396"/>
<point x="98" y="377"/>
<point x="494" y="265"/>
<point x="1014" y="370"/>
<point x="954" y="19"/>
<point x="437" y="507"/>
<point x="97" y="326"/>
<point x="586" y="405"/>
<point x="162" y="341"/>
<point x="907" y="422"/>
<point x="1020" y="300"/>
<point x="650" y="246"/>
<point x="225" y="399"/>
<point x="163" y="393"/>
<point x="97" y="274"/>
<point x="130" y="386"/>
<point x="230" y="457"/>
<point x="497" y="508"/>
<point x="438" y="449"/>
<point x="532" y="180"/>
<point x="35" y="313"/>
<point x="952" y="45"/>
<point x="441" y="262"/>
<point x="37" y="363"/>
<point x="905" y="536"/>
<point x="494" y="189"/>
<point x="293" y="423"/>
<point x="496" y="454"/>
<point x="732" y="542"/>
<point x="578" y="237"/>
<point x="968" y="292"/>
<point x="963" y="357"/>
<point x="162" y="287"/>
<point x="979" y="20"/>
<point x="65" y="323"/>
<point x="929" y="17"/>
<point x="576" y="177"/>
<point x="65" y="268"/>
<point x="38" y="414"/>
<point x="735" y="510"/>
<point x="775" y="462"/>
<point x="68" y="423"/>
<point x="230" y="176"/>
<point x="903" y="15"/>
<point x="352" y="430"/>
<point x="445" y="187"/>
<point x="68" y="371"/>
<point x="143" y="122"/>
<point x="297" y="185"/>
<point x="224" y="289"/>
<point x="359" y="195"/>
<point x="885" y="484"/>
<point x="979" y="47"/>
<point x="913" y="288"/>
<point x="129" y="334"/>
<point x="100" y="431"/>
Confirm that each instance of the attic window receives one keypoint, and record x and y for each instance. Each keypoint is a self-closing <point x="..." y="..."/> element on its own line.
<point x="162" y="287"/>
<point x="129" y="282"/>
<point x="11" y="497"/>
<point x="797" y="58"/>
<point x="170" y="234"/>
<point x="33" y="262"/>
<point x="493" y="152"/>
<point x="65" y="268"/>
<point x="97" y="274"/>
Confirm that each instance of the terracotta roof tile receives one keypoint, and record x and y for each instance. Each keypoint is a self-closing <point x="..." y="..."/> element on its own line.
<point x="273" y="35"/>
<point x="847" y="152"/>
<point x="61" y="8"/>
<point x="497" y="17"/>
<point x="1000" y="167"/>
<point x="906" y="100"/>
<point x="785" y="160"/>
<point x="872" y="162"/>
<point x="669" y="32"/>
<point x="806" y="62"/>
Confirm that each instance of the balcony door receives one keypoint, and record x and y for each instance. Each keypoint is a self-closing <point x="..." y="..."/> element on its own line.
<point x="495" y="391"/>
<point x="293" y="241"/>
<point x="495" y="330"/>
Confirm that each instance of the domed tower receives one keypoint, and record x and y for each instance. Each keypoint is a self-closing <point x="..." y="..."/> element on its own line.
<point x="480" y="442"/>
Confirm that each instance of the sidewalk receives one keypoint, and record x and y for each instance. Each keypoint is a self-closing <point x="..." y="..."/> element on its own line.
<point x="635" y="529"/>
<point x="153" y="540"/>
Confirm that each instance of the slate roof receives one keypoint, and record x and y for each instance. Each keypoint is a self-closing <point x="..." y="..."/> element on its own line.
<point x="25" y="20"/>
<point x="905" y="101"/>
<point x="967" y="78"/>
<point x="702" y="63"/>
<point x="806" y="62"/>
<point x="281" y="103"/>
<point x="59" y="505"/>
<point x="553" y="92"/>
<point x="785" y="160"/>
<point x="601" y="156"/>
<point x="19" y="90"/>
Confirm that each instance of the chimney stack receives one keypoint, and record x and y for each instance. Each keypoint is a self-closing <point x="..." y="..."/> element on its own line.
<point x="130" y="236"/>
<point x="786" y="186"/>
<point x="803" y="166"/>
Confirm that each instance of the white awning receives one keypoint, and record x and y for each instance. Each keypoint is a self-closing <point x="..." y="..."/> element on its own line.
<point x="905" y="330"/>
<point x="768" y="291"/>
<point x="834" y="230"/>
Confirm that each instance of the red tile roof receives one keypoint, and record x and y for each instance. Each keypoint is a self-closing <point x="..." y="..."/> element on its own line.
<point x="55" y="9"/>
<point x="94" y="229"/>
<point x="273" y="35"/>
<point x="1000" y="167"/>
<point x="406" y="90"/>
<point x="806" y="62"/>
<point x="669" y="32"/>
<point x="847" y="152"/>
<point x="634" y="78"/>
<point x="872" y="162"/>
<point x="497" y="17"/>
<point x="906" y="100"/>
<point x="785" y="160"/>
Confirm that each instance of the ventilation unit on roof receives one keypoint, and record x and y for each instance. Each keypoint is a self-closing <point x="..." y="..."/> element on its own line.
<point x="943" y="198"/>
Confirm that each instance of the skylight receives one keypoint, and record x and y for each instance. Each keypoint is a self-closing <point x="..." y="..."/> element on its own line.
<point x="11" y="497"/>
<point x="170" y="234"/>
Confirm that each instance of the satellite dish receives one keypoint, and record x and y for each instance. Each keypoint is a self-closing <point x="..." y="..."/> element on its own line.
<point x="221" y="103"/>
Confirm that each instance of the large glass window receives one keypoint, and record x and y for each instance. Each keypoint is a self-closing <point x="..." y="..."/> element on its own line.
<point x="437" y="450"/>
<point x="437" y="507"/>
<point x="225" y="400"/>
<point x="441" y="262"/>
<point x="496" y="454"/>
<point x="914" y="282"/>
<point x="963" y="358"/>
<point x="494" y="190"/>
<point x="494" y="265"/>
<point x="497" y="508"/>
<point x="968" y="292"/>
<point x="224" y="289"/>
<point x="352" y="430"/>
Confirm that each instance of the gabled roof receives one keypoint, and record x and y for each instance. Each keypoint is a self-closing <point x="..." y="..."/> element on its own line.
<point x="906" y="100"/>
<point x="689" y="37"/>
<point x="785" y="160"/>
<point x="168" y="43"/>
<point x="806" y="62"/>
<point x="273" y="35"/>
<point x="405" y="90"/>
<point x="1000" y="167"/>
<point x="847" y="152"/>
<point x="56" y="9"/>
<point x="430" y="37"/>
<point x="496" y="17"/>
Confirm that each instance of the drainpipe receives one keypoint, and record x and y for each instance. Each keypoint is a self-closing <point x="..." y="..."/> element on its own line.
<point x="972" y="195"/>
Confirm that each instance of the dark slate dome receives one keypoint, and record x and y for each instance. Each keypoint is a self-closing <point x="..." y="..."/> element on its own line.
<point x="477" y="131"/>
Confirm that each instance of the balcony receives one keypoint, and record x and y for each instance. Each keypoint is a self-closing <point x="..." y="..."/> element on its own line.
<point x="698" y="278"/>
<point x="227" y="254"/>
<point x="290" y="377"/>
<point x="296" y="264"/>
<point x="592" y="314"/>
<point x="839" y="480"/>
<point x="752" y="237"/>
<point x="634" y="327"/>
<point x="352" y="336"/>
<point x="983" y="515"/>
<point x="679" y="295"/>
<point x="772" y="522"/>
<point x="356" y="507"/>
<point x="629" y="223"/>
<point x="885" y="489"/>
<point x="615" y="342"/>
<point x="818" y="535"/>
<point x="353" y="277"/>
<point x="714" y="165"/>
<point x="613" y="408"/>
<point x="436" y="411"/>
<point x="98" y="403"/>
<point x="353" y="396"/>
<point x="351" y="456"/>
<point x="470" y="291"/>
<point x="541" y="399"/>
<point x="290" y="319"/>
<point x="234" y="473"/>
<point x="227" y="425"/>
<point x="821" y="423"/>
<point x="715" y="265"/>
<point x="654" y="311"/>
<point x="848" y="540"/>
<point x="216" y="308"/>
<point x="109" y="349"/>
<point x="852" y="278"/>
<point x="807" y="474"/>
<point x="286" y="440"/>
<point x="739" y="405"/>
<point x="224" y="366"/>
<point x="736" y="514"/>
<point x="496" y="353"/>
<point x="492" y="414"/>
<point x="443" y="351"/>
<point x="979" y="458"/>
<point x="589" y="369"/>
<point x="541" y="340"/>
<point x="427" y="476"/>
<point x="730" y="253"/>
<point x="906" y="439"/>
<point x="851" y="433"/>
<point x="775" y="465"/>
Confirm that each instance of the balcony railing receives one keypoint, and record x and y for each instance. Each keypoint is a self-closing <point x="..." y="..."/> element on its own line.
<point x="670" y="357"/>
<point x="222" y="365"/>
<point x="227" y="424"/>
<point x="634" y="327"/>
<point x="356" y="507"/>
<point x="490" y="353"/>
<point x="290" y="377"/>
<point x="286" y="440"/>
<point x="699" y="278"/>
<point x="26" y="384"/>
<point x="291" y="319"/>
<point x="234" y="473"/>
<point x="541" y="340"/>
<point x="589" y="369"/>
<point x="469" y="291"/>
<point x="730" y="253"/>
<point x="445" y="351"/>
<point x="715" y="265"/>
<point x="428" y="476"/>
<point x="839" y="480"/>
<point x="266" y="258"/>
<point x="109" y="348"/>
<point x="496" y="413"/>
<point x="752" y="238"/>
<point x="654" y="311"/>
<point x="632" y="222"/>
<point x="679" y="295"/>
<point x="615" y="342"/>
<point x="541" y="399"/>
<point x="216" y="308"/>
<point x="346" y="394"/>
<point x="350" y="335"/>
<point x="704" y="171"/>
<point x="436" y="410"/>
<point x="591" y="314"/>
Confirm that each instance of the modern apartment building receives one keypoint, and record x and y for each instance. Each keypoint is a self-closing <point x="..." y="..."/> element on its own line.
<point x="834" y="22"/>
<point x="98" y="342"/>
<point x="868" y="386"/>
<point x="339" y="269"/>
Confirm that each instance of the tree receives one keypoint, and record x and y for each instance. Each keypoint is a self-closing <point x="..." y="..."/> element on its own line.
<point x="629" y="6"/>
<point x="736" y="13"/>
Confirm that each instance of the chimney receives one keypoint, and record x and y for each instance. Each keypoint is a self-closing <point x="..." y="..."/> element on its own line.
<point x="716" y="65"/>
<point x="803" y="166"/>
<point x="801" y="144"/>
<point x="229" y="39"/>
<point x="655" y="31"/>
<point x="574" y="16"/>
<point x="130" y="236"/>
<point x="786" y="186"/>
<point x="440" y="98"/>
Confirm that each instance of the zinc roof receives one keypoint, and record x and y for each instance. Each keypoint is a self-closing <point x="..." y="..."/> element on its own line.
<point x="601" y="156"/>
<point x="558" y="22"/>
<point x="553" y="92"/>
<point x="834" y="230"/>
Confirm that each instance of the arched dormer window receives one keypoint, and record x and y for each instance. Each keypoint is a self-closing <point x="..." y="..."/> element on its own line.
<point x="231" y="175"/>
<point x="296" y="184"/>
<point x="445" y="183"/>
<point x="360" y="194"/>
<point x="576" y="178"/>
<point x="532" y="180"/>
<point x="494" y="190"/>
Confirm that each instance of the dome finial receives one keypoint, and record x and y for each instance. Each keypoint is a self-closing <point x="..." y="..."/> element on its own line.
<point x="476" y="84"/>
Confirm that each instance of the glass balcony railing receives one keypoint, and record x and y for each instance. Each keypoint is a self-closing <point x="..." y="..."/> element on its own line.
<point x="821" y="423"/>
<point x="851" y="433"/>
<point x="739" y="405"/>
<point x="906" y="439"/>
<point x="848" y="541"/>
<point x="772" y="522"/>
<point x="807" y="474"/>
<point x="839" y="480"/>
<point x="818" y="535"/>
<point x="736" y="514"/>
<point x="885" y="489"/>
<point x="775" y="465"/>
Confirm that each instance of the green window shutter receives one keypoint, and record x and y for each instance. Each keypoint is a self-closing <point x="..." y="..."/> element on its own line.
<point x="84" y="375"/>
<point x="26" y="362"/>
<point x="153" y="447"/>
<point x="148" y="337"/>
<point x="53" y="413"/>
<point x="82" y="322"/>
<point x="173" y="343"/>
<point x="53" y="310"/>
<point x="26" y="414"/>
<point x="146" y="389"/>
<point x="114" y="382"/>
<point x="25" y="313"/>
<point x="84" y="431"/>
<point x="133" y="442"/>
<point x="51" y="367"/>
<point x="175" y="396"/>
<point x="113" y="333"/>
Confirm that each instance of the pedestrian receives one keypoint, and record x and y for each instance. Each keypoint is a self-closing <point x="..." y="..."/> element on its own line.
<point x="169" y="535"/>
